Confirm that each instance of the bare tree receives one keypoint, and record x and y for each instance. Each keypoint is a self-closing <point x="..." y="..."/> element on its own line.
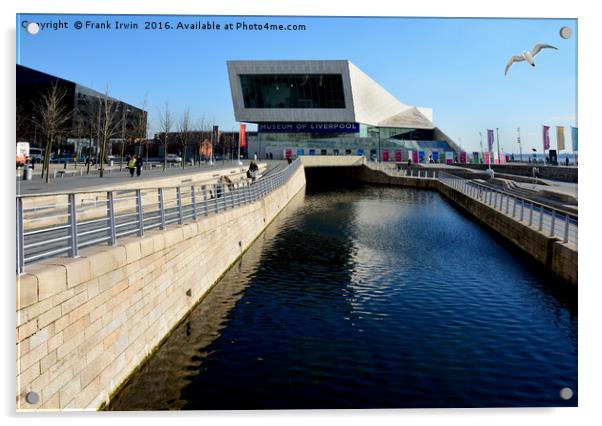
<point x="185" y="133"/>
<point x="81" y="130"/>
<point x="22" y="122"/>
<point x="202" y="123"/>
<point x="109" y="124"/>
<point x="141" y="126"/>
<point x="51" y="118"/>
<point x="165" y="123"/>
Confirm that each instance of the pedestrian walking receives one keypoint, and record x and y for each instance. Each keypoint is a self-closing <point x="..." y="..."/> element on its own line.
<point x="132" y="165"/>
<point x="138" y="165"/>
<point x="255" y="157"/>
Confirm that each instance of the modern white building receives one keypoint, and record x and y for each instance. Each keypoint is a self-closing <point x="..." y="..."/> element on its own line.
<point x="330" y="108"/>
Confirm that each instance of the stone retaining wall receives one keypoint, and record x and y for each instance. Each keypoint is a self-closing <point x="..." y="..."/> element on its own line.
<point x="552" y="253"/>
<point x="84" y="324"/>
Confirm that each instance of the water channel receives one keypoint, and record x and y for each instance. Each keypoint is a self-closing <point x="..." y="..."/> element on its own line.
<point x="369" y="297"/>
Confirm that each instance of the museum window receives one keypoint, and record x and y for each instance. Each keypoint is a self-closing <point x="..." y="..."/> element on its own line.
<point x="292" y="90"/>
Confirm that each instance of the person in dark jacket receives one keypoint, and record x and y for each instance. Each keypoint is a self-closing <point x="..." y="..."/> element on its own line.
<point x="139" y="164"/>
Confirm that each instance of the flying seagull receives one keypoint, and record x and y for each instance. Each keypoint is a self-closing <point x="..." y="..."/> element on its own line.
<point x="528" y="56"/>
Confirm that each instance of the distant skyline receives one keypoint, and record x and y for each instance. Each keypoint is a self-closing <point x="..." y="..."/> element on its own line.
<point x="455" y="66"/>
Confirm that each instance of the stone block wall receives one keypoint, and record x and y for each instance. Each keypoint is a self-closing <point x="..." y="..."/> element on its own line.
<point x="84" y="324"/>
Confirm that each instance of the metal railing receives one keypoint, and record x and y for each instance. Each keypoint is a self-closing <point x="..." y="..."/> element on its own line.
<point x="548" y="220"/>
<point x="70" y="222"/>
<point x="393" y="170"/>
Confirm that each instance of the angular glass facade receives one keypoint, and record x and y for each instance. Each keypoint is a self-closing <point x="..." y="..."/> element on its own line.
<point x="292" y="90"/>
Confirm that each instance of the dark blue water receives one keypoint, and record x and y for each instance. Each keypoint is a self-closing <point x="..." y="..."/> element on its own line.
<point x="369" y="298"/>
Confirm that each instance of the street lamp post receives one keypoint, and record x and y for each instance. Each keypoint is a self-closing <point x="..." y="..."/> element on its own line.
<point x="520" y="148"/>
<point x="499" y="159"/>
<point x="35" y="130"/>
<point x="378" y="157"/>
<point x="481" y="142"/>
<point x="98" y="134"/>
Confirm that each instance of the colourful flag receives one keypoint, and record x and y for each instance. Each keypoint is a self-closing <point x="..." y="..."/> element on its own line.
<point x="242" y="135"/>
<point x="490" y="139"/>
<point x="560" y="137"/>
<point x="574" y="138"/>
<point x="546" y="137"/>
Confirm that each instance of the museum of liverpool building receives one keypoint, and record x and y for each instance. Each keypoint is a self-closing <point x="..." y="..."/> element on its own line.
<point x="330" y="108"/>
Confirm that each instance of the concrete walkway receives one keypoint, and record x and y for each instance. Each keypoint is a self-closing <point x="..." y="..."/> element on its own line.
<point x="115" y="177"/>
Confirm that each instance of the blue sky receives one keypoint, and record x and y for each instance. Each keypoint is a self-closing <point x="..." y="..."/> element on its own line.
<point x="455" y="66"/>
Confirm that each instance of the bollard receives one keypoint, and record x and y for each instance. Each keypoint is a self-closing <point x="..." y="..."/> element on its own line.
<point x="27" y="172"/>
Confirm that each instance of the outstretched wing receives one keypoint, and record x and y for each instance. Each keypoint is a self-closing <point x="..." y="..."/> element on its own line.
<point x="516" y="58"/>
<point x="539" y="46"/>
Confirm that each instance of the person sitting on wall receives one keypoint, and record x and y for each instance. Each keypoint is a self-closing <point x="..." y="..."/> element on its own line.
<point x="228" y="183"/>
<point x="253" y="168"/>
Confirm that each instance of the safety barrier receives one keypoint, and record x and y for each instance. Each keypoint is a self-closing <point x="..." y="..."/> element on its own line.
<point x="131" y="212"/>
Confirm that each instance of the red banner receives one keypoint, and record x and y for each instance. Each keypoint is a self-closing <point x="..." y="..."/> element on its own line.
<point x="385" y="155"/>
<point x="243" y="135"/>
<point x="398" y="155"/>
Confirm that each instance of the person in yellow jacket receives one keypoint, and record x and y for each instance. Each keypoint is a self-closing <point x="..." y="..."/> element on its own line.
<point x="132" y="165"/>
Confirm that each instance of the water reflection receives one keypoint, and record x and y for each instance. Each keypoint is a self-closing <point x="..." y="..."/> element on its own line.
<point x="370" y="297"/>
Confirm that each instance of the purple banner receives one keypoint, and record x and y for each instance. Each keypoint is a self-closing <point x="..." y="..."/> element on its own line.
<point x="490" y="139"/>
<point x="546" y="137"/>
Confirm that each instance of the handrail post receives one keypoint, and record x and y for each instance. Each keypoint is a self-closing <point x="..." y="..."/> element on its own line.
<point x="566" y="228"/>
<point x="179" y="200"/>
<point x="140" y="213"/>
<point x="522" y="209"/>
<point x="111" y="216"/>
<point x="531" y="214"/>
<point x="193" y="201"/>
<point x="540" y="227"/>
<point x="73" y="251"/>
<point x="20" y="237"/>
<point x="161" y="210"/>
<point x="553" y="223"/>
<point x="215" y="198"/>
<point x="513" y="207"/>
<point x="206" y="201"/>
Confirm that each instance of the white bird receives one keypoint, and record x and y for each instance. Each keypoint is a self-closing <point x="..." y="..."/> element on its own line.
<point x="528" y="56"/>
